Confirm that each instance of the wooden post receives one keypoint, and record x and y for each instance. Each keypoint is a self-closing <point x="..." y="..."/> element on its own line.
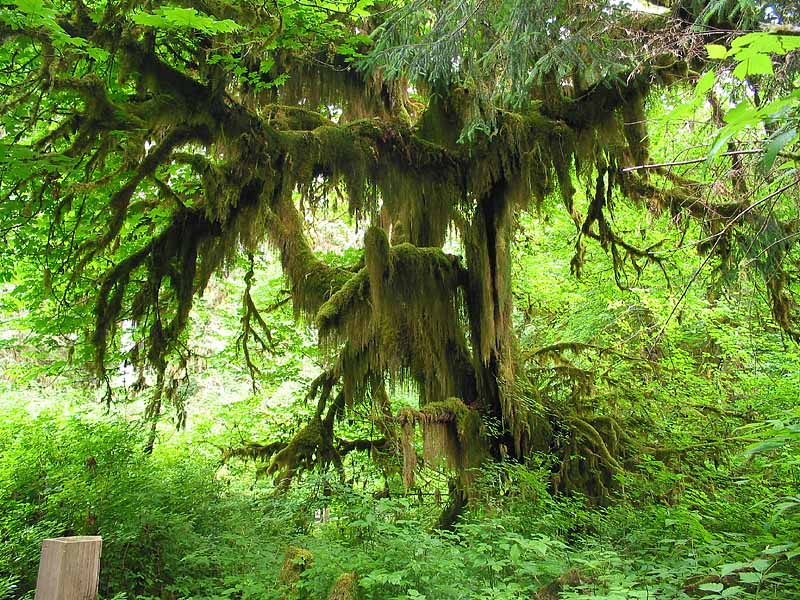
<point x="69" y="568"/>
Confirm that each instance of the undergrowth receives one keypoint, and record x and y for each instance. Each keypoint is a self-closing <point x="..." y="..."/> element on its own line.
<point x="176" y="525"/>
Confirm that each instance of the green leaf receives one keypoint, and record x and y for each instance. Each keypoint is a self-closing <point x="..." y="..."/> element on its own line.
<point x="34" y="8"/>
<point x="761" y="564"/>
<point x="777" y="143"/>
<point x="716" y="52"/>
<point x="741" y="113"/>
<point x="755" y="64"/>
<point x="789" y="42"/>
<point x="759" y="41"/>
<point x="705" y="83"/>
<point x="684" y="110"/>
<point x="767" y="446"/>
<point x="748" y="577"/>
<point x="745" y="40"/>
<point x="97" y="54"/>
<point x="173" y="17"/>
<point x="729" y="568"/>
<point x="711" y="587"/>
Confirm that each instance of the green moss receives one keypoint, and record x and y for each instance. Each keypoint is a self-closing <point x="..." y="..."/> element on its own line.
<point x="377" y="259"/>
<point x="455" y="430"/>
<point x="348" y="299"/>
<point x="295" y="562"/>
<point x="345" y="588"/>
<point x="301" y="451"/>
<point x="287" y="117"/>
<point x="406" y="417"/>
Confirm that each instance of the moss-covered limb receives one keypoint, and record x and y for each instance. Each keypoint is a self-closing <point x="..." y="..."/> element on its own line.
<point x="592" y="450"/>
<point x="344" y="446"/>
<point x="292" y="118"/>
<point x="170" y="258"/>
<point x="119" y="202"/>
<point x="100" y="111"/>
<point x="622" y="92"/>
<point x="555" y="351"/>
<point x="300" y="453"/>
<point x="420" y="183"/>
<point x="423" y="183"/>
<point x="253" y="451"/>
<point x="193" y="102"/>
<point x="684" y="196"/>
<point x="315" y="444"/>
<point x="252" y="323"/>
<point x="590" y="433"/>
<point x="597" y="227"/>
<point x="320" y="389"/>
<point x="487" y="242"/>
<point x="313" y="282"/>
<point x="347" y="303"/>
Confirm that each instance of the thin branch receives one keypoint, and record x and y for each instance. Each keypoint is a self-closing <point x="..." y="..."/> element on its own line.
<point x="692" y="161"/>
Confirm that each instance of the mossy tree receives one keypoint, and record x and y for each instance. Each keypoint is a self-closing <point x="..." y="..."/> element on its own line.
<point x="148" y="146"/>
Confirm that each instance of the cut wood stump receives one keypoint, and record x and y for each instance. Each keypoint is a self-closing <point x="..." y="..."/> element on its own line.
<point x="69" y="568"/>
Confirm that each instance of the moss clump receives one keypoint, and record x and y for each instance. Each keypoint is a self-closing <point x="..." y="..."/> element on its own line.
<point x="297" y="561"/>
<point x="345" y="588"/>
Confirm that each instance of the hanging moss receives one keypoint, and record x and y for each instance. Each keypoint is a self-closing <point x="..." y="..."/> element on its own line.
<point x="328" y="81"/>
<point x="378" y="264"/>
<point x="418" y="328"/>
<point x="407" y="419"/>
<point x="253" y="451"/>
<point x="455" y="431"/>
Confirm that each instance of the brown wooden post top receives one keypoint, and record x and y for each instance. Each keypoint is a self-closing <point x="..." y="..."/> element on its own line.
<point x="69" y="568"/>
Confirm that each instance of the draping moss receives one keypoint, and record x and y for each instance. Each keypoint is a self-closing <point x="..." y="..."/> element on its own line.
<point x="453" y="436"/>
<point x="408" y="314"/>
